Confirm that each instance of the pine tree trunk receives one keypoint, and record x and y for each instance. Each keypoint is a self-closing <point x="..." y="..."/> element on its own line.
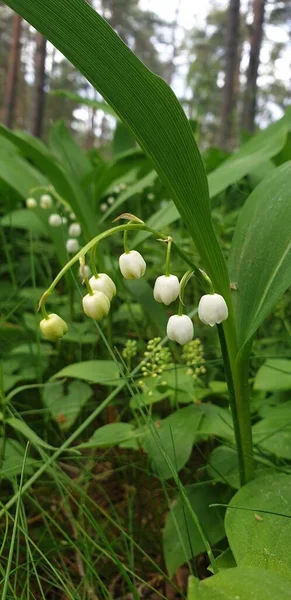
<point x="38" y="92"/>
<point x="229" y="101"/>
<point x="250" y="99"/>
<point x="12" y="72"/>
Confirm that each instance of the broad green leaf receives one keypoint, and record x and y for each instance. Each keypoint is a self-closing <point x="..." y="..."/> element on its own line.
<point x="13" y="459"/>
<point x="252" y="154"/>
<point x="145" y="103"/>
<point x="240" y="583"/>
<point x="63" y="182"/>
<point x="110" y="435"/>
<point x="223" y="466"/>
<point x="68" y="153"/>
<point x="172" y="437"/>
<point x="123" y="139"/>
<point x="28" y="433"/>
<point x="65" y="405"/>
<point x="24" y="219"/>
<point x="104" y="372"/>
<point x="274" y="375"/>
<point x="273" y="433"/>
<point x="260" y="259"/>
<point x="181" y="539"/>
<point x="260" y="539"/>
<point x="20" y="175"/>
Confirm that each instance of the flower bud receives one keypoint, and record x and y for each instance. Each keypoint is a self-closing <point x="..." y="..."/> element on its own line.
<point x="75" y="230"/>
<point x="212" y="309"/>
<point x="132" y="265"/>
<point x="55" y="220"/>
<point x="96" y="306"/>
<point x="123" y="186"/>
<point x="72" y="245"/>
<point x="111" y="200"/>
<point x="103" y="283"/>
<point x="53" y="328"/>
<point x="31" y="203"/>
<point x="166" y="289"/>
<point x="84" y="271"/>
<point x="45" y="201"/>
<point x="180" y="329"/>
<point x="72" y="216"/>
<point x="103" y="207"/>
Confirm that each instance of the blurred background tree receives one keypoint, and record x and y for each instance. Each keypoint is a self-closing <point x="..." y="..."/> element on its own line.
<point x="230" y="70"/>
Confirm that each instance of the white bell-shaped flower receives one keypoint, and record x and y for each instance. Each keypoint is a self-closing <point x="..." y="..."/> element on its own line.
<point x="103" y="283"/>
<point x="96" y="306"/>
<point x="45" y="201"/>
<point x="132" y="265"/>
<point x="55" y="220"/>
<point x="53" y="328"/>
<point x="180" y="329"/>
<point x="75" y="230"/>
<point x="166" y="289"/>
<point x="72" y="245"/>
<point x="31" y="203"/>
<point x="212" y="309"/>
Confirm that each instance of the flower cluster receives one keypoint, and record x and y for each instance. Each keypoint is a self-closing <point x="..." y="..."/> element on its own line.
<point x="193" y="356"/>
<point x="121" y="187"/>
<point x="96" y="303"/>
<point x="57" y="220"/>
<point x="157" y="359"/>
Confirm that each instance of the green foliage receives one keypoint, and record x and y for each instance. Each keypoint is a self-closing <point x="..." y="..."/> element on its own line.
<point x="260" y="255"/>
<point x="258" y="524"/>
<point x="181" y="540"/>
<point x="247" y="583"/>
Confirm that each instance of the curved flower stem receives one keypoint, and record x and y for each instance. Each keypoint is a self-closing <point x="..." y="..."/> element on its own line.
<point x="105" y="234"/>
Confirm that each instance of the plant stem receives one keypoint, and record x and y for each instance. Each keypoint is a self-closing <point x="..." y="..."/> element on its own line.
<point x="237" y="383"/>
<point x="168" y="257"/>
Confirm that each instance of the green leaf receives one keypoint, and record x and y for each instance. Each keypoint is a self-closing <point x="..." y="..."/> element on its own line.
<point x="28" y="433"/>
<point x="252" y="154"/>
<point x="260" y="258"/>
<point x="65" y="407"/>
<point x="145" y="103"/>
<point x="66" y="185"/>
<point x="273" y="433"/>
<point x="110" y="435"/>
<point x="24" y="219"/>
<point x="240" y="583"/>
<point x="260" y="539"/>
<point x="173" y="437"/>
<point x="274" y="375"/>
<point x="181" y="539"/>
<point x="67" y="151"/>
<point x="223" y="466"/>
<point x="13" y="460"/>
<point x="104" y="372"/>
<point x="123" y="139"/>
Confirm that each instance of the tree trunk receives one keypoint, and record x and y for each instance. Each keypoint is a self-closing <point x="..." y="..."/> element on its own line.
<point x="256" y="36"/>
<point x="38" y="92"/>
<point x="12" y="72"/>
<point x="229" y="100"/>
